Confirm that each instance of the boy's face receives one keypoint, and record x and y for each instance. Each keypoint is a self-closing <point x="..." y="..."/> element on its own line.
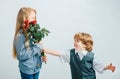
<point x="79" y="45"/>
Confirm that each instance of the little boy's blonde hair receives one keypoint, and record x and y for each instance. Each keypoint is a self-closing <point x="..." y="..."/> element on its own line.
<point x="86" y="39"/>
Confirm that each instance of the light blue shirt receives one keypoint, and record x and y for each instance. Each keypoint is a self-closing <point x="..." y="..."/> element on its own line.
<point x="97" y="64"/>
<point x="29" y="59"/>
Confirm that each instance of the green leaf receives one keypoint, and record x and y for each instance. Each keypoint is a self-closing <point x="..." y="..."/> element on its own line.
<point x="37" y="26"/>
<point x="32" y="29"/>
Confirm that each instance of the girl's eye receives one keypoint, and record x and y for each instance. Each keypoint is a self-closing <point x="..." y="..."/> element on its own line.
<point x="33" y="17"/>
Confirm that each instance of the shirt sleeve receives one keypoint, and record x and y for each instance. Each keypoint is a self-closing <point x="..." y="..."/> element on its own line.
<point x="98" y="65"/>
<point x="22" y="52"/>
<point x="65" y="56"/>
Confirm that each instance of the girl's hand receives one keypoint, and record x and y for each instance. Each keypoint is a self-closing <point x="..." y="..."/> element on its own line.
<point x="40" y="42"/>
<point x="27" y="43"/>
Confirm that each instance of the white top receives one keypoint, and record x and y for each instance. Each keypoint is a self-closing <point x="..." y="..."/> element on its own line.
<point x="97" y="64"/>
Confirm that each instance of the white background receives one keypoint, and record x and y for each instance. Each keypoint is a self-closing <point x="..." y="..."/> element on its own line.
<point x="100" y="18"/>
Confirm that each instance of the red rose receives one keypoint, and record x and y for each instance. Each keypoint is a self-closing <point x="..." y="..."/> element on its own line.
<point x="26" y="22"/>
<point x="33" y="22"/>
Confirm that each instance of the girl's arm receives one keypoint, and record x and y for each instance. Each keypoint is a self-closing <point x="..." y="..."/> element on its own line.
<point x="52" y="52"/>
<point x="23" y="53"/>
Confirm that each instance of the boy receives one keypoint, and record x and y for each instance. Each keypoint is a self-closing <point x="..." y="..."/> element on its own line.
<point x="82" y="61"/>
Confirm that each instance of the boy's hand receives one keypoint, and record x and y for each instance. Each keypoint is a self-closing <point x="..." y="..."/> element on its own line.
<point x="111" y="67"/>
<point x="44" y="58"/>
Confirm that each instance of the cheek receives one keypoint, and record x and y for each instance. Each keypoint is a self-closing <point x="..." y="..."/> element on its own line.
<point x="75" y="45"/>
<point x="78" y="45"/>
<point x="31" y="19"/>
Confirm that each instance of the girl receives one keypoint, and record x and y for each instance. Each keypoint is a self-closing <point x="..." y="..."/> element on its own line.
<point x="82" y="61"/>
<point x="27" y="53"/>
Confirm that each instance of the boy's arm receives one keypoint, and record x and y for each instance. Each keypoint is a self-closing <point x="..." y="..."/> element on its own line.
<point x="52" y="52"/>
<point x="100" y="66"/>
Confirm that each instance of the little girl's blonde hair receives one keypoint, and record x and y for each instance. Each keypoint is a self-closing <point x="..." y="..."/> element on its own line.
<point x="22" y="15"/>
<point x="86" y="39"/>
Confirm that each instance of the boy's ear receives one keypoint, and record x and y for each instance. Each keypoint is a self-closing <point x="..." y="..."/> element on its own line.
<point x="84" y="46"/>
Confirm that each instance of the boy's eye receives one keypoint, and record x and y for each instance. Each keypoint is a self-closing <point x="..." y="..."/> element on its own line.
<point x="76" y="40"/>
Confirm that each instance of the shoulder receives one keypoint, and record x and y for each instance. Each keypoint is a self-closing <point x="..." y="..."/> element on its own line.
<point x="72" y="50"/>
<point x="20" y="33"/>
<point x="20" y="36"/>
<point x="91" y="54"/>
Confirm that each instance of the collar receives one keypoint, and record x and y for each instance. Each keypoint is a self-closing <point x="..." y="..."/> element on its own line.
<point x="84" y="52"/>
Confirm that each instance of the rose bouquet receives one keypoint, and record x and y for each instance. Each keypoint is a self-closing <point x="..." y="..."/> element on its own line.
<point x="34" y="32"/>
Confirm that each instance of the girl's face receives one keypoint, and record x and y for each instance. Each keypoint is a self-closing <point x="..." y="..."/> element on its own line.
<point x="32" y="16"/>
<point x="79" y="45"/>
